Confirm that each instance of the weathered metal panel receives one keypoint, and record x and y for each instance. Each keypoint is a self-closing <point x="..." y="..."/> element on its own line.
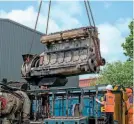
<point x="15" y="40"/>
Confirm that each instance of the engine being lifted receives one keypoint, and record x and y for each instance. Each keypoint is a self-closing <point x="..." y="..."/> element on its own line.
<point x="68" y="53"/>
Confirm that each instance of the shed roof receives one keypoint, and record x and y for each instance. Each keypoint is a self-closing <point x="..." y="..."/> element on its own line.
<point x="21" y="25"/>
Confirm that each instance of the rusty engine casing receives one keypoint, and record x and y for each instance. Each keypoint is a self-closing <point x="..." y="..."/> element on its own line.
<point x="68" y="53"/>
<point x="16" y="104"/>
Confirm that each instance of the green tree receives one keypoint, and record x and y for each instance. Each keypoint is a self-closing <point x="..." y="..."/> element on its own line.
<point x="128" y="45"/>
<point x="120" y="73"/>
<point x="117" y="73"/>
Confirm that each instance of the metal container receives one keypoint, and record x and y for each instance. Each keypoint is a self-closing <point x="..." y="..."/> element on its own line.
<point x="89" y="106"/>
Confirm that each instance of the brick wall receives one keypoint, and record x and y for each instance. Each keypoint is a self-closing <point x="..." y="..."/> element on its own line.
<point x="87" y="82"/>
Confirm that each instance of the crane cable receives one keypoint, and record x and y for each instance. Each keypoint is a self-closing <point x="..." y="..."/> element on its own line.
<point x="87" y="12"/>
<point x="35" y="27"/>
<point x="95" y="39"/>
<point x="47" y="25"/>
<point x="48" y="17"/>
<point x="91" y="12"/>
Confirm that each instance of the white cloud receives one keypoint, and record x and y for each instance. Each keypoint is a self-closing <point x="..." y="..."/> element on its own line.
<point x="64" y="13"/>
<point x="28" y="17"/>
<point x="122" y="25"/>
<point x="59" y="20"/>
<point x="111" y="37"/>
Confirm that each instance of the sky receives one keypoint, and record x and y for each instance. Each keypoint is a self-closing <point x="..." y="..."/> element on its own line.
<point x="111" y="18"/>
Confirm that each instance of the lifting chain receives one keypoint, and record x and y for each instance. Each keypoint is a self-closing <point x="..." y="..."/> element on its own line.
<point x="94" y="38"/>
<point x="35" y="27"/>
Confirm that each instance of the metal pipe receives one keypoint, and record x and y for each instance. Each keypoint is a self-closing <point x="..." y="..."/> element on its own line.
<point x="35" y="115"/>
<point x="62" y="105"/>
<point x="48" y="107"/>
<point x="96" y="119"/>
<point x="81" y="104"/>
<point x="67" y="103"/>
<point x="53" y="99"/>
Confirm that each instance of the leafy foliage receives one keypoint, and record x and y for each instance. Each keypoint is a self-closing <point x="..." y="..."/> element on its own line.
<point x="128" y="45"/>
<point x="120" y="73"/>
<point x="117" y="73"/>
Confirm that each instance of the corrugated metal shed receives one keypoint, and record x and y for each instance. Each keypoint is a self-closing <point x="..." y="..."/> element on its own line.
<point x="15" y="40"/>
